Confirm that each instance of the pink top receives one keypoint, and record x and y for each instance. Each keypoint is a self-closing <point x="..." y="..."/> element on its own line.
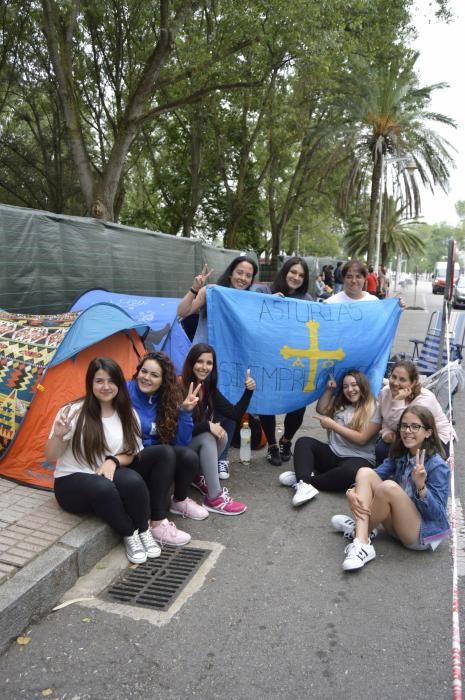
<point x="391" y="411"/>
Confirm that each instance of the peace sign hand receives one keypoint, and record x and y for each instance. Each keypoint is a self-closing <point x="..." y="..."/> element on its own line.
<point x="192" y="397"/>
<point x="250" y="382"/>
<point x="199" y="280"/>
<point x="419" y="472"/>
<point x="63" y="423"/>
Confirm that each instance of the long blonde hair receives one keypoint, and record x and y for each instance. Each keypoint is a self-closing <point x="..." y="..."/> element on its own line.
<point x="365" y="406"/>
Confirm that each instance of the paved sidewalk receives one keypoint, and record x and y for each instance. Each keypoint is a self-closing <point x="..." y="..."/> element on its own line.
<point x="30" y="522"/>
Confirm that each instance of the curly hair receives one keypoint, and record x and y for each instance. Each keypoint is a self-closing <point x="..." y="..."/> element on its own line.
<point x="365" y="406"/>
<point x="169" y="396"/>
<point x="413" y="376"/>
<point x="432" y="444"/>
<point x="280" y="283"/>
<point x="88" y="444"/>
<point x="209" y="388"/>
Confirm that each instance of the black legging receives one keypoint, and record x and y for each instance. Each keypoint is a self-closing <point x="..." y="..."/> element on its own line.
<point x="159" y="466"/>
<point x="331" y="473"/>
<point x="123" y="503"/>
<point x="292" y="423"/>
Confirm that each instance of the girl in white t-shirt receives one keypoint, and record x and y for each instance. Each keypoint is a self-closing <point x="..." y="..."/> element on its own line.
<point x="352" y="419"/>
<point x="92" y="441"/>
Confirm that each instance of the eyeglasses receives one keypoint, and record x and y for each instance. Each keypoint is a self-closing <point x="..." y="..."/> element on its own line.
<point x="413" y="427"/>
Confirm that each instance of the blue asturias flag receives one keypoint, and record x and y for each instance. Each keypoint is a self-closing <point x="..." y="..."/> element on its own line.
<point x="292" y="346"/>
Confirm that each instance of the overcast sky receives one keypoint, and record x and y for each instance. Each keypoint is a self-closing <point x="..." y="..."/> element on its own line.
<point x="442" y="59"/>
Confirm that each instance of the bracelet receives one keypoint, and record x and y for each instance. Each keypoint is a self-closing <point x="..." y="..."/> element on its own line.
<point x="420" y="492"/>
<point x="192" y="291"/>
<point x="114" y="459"/>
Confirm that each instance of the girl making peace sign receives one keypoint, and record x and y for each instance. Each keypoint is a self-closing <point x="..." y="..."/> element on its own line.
<point x="166" y="420"/>
<point x="407" y="493"/>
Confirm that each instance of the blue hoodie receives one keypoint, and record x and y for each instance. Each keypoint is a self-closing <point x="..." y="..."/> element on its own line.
<point x="146" y="408"/>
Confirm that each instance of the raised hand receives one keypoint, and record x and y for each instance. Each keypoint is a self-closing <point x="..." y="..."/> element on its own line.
<point x="63" y="423"/>
<point x="331" y="383"/>
<point x="419" y="472"/>
<point x="250" y="382"/>
<point x="192" y="398"/>
<point x="199" y="280"/>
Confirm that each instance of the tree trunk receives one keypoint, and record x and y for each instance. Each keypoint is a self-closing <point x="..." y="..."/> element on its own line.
<point x="374" y="204"/>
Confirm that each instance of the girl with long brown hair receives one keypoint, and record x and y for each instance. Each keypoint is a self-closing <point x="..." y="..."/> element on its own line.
<point x="166" y="422"/>
<point x="91" y="441"/>
<point x="209" y="437"/>
<point x="352" y="419"/>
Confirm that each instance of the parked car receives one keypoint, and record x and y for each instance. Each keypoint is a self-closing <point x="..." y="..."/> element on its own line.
<point x="458" y="297"/>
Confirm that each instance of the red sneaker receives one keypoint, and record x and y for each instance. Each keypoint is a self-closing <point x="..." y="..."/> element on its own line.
<point x="200" y="484"/>
<point x="224" y="504"/>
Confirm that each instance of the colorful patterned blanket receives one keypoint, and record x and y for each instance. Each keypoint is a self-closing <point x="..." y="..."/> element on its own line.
<point x="27" y="345"/>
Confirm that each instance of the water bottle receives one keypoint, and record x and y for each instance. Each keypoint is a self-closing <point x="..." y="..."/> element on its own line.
<point x="244" y="452"/>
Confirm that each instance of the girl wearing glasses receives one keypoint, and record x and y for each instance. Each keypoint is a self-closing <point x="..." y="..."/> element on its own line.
<point x="407" y="493"/>
<point x="404" y="389"/>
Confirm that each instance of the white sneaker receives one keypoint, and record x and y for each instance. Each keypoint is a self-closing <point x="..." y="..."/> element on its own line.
<point x="346" y="525"/>
<point x="152" y="549"/>
<point x="303" y="493"/>
<point x="357" y="555"/>
<point x="287" y="479"/>
<point x="135" y="551"/>
<point x="223" y="469"/>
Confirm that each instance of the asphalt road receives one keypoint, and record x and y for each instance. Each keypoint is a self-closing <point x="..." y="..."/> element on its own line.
<point x="275" y="618"/>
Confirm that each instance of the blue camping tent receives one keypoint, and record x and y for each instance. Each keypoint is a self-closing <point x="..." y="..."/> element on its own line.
<point x="159" y="313"/>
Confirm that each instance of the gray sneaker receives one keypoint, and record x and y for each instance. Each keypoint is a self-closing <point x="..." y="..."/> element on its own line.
<point x="135" y="551"/>
<point x="151" y="547"/>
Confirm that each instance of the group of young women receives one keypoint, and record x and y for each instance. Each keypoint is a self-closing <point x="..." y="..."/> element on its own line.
<point x="125" y="446"/>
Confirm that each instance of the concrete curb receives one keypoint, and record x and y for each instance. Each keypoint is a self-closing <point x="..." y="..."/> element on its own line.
<point x="35" y="589"/>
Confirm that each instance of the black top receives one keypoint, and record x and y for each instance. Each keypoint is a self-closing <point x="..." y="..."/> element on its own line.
<point x="223" y="407"/>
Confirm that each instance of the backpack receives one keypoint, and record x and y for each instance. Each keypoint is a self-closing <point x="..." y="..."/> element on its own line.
<point x="257" y="437"/>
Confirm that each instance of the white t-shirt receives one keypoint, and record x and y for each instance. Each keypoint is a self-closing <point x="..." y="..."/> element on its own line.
<point x="342" y="447"/>
<point x="342" y="298"/>
<point x="113" y="431"/>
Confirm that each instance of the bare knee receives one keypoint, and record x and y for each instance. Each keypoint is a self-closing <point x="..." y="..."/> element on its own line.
<point x="387" y="489"/>
<point x="365" y="475"/>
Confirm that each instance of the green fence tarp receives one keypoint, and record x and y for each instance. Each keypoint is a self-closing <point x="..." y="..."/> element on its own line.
<point x="47" y="260"/>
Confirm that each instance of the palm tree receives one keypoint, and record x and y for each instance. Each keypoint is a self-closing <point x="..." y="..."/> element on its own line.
<point x="387" y="120"/>
<point x="397" y="234"/>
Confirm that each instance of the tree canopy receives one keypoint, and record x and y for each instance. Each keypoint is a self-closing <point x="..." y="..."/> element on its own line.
<point x="235" y="121"/>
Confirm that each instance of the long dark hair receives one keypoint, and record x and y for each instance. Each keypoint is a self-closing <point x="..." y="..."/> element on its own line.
<point x="365" y="406"/>
<point x="280" y="284"/>
<point x="88" y="444"/>
<point x="209" y="388"/>
<point x="169" y="396"/>
<point x="225" y="279"/>
<point x="432" y="444"/>
<point x="413" y="376"/>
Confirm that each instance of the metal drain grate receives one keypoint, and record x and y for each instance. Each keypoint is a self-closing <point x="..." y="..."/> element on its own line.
<point x="156" y="583"/>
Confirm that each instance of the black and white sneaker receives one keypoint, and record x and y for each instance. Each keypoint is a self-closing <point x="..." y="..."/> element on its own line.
<point x="346" y="525"/>
<point x="357" y="555"/>
<point x="273" y="456"/>
<point x="285" y="450"/>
